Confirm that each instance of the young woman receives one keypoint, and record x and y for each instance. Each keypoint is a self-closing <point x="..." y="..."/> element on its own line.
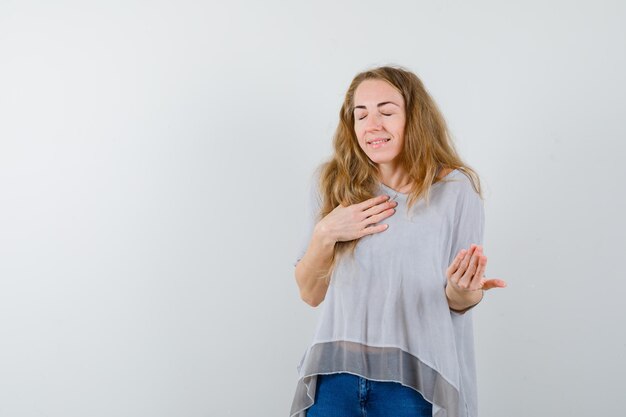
<point x="394" y="253"/>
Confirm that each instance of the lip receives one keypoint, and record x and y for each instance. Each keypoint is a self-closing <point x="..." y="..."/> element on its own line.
<point x="378" y="145"/>
<point x="369" y="142"/>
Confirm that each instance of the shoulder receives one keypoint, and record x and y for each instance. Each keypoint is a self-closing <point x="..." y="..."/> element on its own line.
<point x="459" y="191"/>
<point x="444" y="173"/>
<point x="314" y="188"/>
<point x="460" y="182"/>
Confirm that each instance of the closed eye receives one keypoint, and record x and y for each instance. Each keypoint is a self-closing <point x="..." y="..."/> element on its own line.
<point x="384" y="114"/>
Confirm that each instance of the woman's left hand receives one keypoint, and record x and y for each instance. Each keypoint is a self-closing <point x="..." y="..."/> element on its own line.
<point x="467" y="270"/>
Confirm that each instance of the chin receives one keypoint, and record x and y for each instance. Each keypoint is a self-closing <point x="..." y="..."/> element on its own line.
<point x="382" y="159"/>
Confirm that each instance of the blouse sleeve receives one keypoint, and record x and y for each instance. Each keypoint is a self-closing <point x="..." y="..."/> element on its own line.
<point x="469" y="221"/>
<point x="314" y="203"/>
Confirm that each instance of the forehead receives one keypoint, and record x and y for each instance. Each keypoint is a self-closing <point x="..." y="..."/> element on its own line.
<point x="372" y="92"/>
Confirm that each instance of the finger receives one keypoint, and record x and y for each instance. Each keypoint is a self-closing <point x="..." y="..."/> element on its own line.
<point x="468" y="257"/>
<point x="454" y="266"/>
<point x="378" y="208"/>
<point x="377" y="217"/>
<point x="373" y="229"/>
<point x="493" y="283"/>
<point x="477" y="269"/>
<point x="468" y="274"/>
<point x="372" y="202"/>
<point x="458" y="274"/>
<point x="477" y="280"/>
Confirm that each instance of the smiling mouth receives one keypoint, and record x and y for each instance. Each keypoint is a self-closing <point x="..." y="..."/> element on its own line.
<point x="378" y="141"/>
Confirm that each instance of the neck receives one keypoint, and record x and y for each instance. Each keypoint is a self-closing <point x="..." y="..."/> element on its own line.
<point x="393" y="177"/>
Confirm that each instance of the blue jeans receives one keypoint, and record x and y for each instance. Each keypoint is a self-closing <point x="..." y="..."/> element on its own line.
<point x="348" y="395"/>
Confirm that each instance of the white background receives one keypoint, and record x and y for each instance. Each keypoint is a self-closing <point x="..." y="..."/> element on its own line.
<point x="153" y="163"/>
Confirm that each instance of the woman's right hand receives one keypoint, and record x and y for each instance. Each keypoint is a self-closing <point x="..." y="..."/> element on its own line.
<point x="356" y="220"/>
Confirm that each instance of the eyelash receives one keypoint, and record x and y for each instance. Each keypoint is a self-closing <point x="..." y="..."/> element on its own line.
<point x="361" y="118"/>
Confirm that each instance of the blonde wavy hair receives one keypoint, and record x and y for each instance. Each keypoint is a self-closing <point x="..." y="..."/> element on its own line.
<point x="350" y="177"/>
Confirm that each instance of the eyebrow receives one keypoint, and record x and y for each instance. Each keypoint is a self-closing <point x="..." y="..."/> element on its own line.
<point x="378" y="105"/>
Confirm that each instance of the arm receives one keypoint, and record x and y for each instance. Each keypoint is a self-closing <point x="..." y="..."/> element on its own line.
<point x="344" y="223"/>
<point x="465" y="276"/>
<point x="313" y="268"/>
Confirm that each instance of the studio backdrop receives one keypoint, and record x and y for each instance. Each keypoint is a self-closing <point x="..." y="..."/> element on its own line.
<point x="155" y="158"/>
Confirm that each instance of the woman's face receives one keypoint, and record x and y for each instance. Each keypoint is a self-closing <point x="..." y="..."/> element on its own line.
<point x="379" y="119"/>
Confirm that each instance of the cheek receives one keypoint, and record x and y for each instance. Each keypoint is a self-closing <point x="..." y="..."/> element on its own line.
<point x="360" y="140"/>
<point x="400" y="133"/>
<point x="358" y="133"/>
